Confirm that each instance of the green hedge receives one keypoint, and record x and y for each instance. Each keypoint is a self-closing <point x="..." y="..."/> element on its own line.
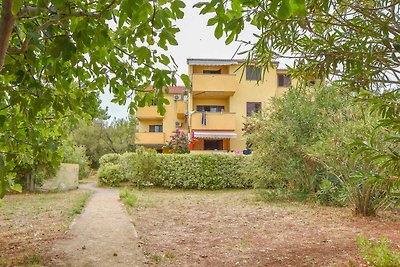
<point x="202" y="171"/>
<point x="113" y="158"/>
<point x="187" y="171"/>
<point x="110" y="174"/>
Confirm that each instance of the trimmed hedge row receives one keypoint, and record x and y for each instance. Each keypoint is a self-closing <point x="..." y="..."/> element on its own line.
<point x="187" y="171"/>
<point x="202" y="171"/>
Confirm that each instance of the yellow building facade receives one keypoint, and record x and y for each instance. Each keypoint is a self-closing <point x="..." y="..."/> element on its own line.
<point x="213" y="111"/>
<point x="154" y="130"/>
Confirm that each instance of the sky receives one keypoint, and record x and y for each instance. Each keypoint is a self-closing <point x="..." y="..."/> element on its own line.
<point x="195" y="40"/>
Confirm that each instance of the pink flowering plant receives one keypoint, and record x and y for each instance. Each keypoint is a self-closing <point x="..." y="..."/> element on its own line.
<point x="179" y="142"/>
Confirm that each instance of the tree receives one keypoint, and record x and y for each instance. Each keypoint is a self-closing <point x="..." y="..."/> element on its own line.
<point x="355" y="44"/>
<point x="48" y="46"/>
<point x="100" y="138"/>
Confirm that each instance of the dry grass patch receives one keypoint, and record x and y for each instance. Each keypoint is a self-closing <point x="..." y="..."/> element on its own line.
<point x="235" y="228"/>
<point x="29" y="223"/>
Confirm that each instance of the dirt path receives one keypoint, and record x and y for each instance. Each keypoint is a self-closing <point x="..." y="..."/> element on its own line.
<point x="102" y="235"/>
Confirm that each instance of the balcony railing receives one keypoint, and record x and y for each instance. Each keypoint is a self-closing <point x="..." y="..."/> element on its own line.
<point x="150" y="138"/>
<point x="214" y="83"/>
<point x="148" y="112"/>
<point x="225" y="121"/>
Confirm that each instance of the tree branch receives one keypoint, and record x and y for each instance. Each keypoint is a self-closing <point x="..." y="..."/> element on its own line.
<point x="6" y="27"/>
<point x="29" y="11"/>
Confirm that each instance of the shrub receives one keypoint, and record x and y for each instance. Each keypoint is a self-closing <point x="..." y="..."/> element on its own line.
<point x="77" y="155"/>
<point x="378" y="253"/>
<point x="110" y="174"/>
<point x="147" y="165"/>
<point x="330" y="193"/>
<point x="305" y="143"/>
<point x="179" y="142"/>
<point x="129" y="162"/>
<point x="110" y="158"/>
<point x="202" y="171"/>
<point x="369" y="192"/>
<point x="187" y="171"/>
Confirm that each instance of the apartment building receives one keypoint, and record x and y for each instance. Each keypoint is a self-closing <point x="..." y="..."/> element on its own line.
<point x="222" y="94"/>
<point x="154" y="131"/>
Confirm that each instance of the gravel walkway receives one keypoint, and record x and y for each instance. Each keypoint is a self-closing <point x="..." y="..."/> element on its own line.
<point x="102" y="235"/>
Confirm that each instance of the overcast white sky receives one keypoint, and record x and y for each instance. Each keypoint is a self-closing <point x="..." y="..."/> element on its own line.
<point x="195" y="40"/>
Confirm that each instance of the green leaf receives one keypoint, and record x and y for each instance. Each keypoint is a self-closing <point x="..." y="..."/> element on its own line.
<point x="285" y="11"/>
<point x="200" y="4"/>
<point x="16" y="6"/>
<point x="212" y="21"/>
<point x="218" y="31"/>
<point x="186" y="80"/>
<point x="298" y="7"/>
<point x="2" y="120"/>
<point x="176" y="7"/>
<point x="274" y="6"/>
<point x="16" y="187"/>
<point x="230" y="38"/>
<point x="143" y="54"/>
<point x="161" y="109"/>
<point x="164" y="60"/>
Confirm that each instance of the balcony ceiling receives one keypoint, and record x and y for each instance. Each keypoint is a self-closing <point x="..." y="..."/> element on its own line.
<point x="212" y="94"/>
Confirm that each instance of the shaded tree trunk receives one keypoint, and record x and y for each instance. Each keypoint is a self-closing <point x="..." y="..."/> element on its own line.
<point x="30" y="181"/>
<point x="6" y="27"/>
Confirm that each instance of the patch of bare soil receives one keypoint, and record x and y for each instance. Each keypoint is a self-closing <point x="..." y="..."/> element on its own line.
<point x="232" y="228"/>
<point x="29" y="224"/>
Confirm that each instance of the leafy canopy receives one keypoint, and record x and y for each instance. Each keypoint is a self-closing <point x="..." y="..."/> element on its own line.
<point x="56" y="56"/>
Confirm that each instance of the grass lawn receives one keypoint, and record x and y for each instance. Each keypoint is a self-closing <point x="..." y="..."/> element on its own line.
<point x="236" y="228"/>
<point x="29" y="223"/>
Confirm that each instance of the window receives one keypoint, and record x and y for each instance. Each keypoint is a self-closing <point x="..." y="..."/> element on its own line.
<point x="253" y="107"/>
<point x="210" y="108"/>
<point x="253" y="73"/>
<point x="213" y="144"/>
<point x="212" y="71"/>
<point x="284" y="80"/>
<point x="155" y="128"/>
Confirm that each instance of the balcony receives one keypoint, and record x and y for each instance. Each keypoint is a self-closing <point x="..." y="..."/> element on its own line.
<point x="181" y="108"/>
<point x="224" y="121"/>
<point x="222" y="83"/>
<point x="150" y="138"/>
<point x="148" y="112"/>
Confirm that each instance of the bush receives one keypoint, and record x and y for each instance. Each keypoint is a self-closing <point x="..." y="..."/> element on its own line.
<point x="378" y="253"/>
<point x="110" y="158"/>
<point x="187" y="171"/>
<point x="179" y="142"/>
<point x="369" y="192"/>
<point x="129" y="162"/>
<point x="147" y="165"/>
<point x="77" y="155"/>
<point x="202" y="171"/>
<point x="110" y="174"/>
<point x="305" y="143"/>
